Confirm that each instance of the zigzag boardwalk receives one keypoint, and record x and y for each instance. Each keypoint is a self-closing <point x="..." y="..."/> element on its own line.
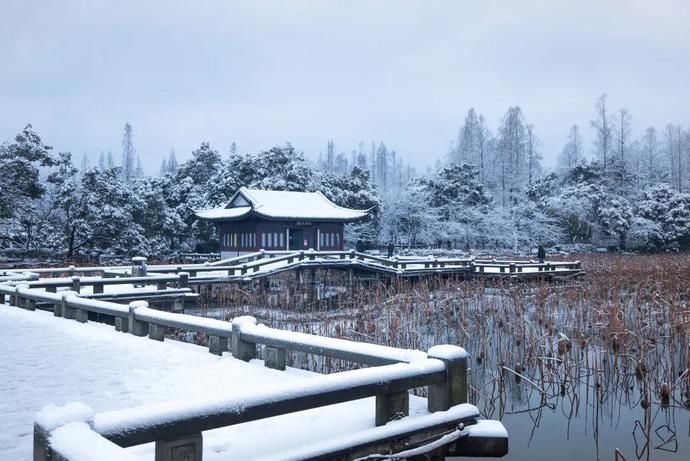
<point x="446" y="425"/>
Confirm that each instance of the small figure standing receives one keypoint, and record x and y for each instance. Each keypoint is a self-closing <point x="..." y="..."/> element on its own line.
<point x="359" y="246"/>
<point x="541" y="254"/>
<point x="391" y="248"/>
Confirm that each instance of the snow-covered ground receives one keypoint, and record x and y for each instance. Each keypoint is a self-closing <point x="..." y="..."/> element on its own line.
<point x="46" y="360"/>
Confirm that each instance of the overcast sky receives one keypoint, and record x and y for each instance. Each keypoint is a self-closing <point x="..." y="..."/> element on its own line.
<point x="262" y="73"/>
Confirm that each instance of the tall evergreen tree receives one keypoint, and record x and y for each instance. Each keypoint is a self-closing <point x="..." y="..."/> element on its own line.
<point x="511" y="155"/>
<point x="128" y="154"/>
<point x="172" y="162"/>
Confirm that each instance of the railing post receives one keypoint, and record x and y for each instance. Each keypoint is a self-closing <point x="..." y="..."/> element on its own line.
<point x="30" y="304"/>
<point x="67" y="311"/>
<point x="42" y="450"/>
<point x="183" y="282"/>
<point x="275" y="357"/>
<point x="453" y="390"/>
<point x="122" y="324"/>
<point x="81" y="315"/>
<point x="241" y="349"/>
<point x="512" y="267"/>
<point x="14" y="297"/>
<point x="51" y="418"/>
<point x="392" y="406"/>
<point x="97" y="288"/>
<point x="137" y="327"/>
<point x="156" y="332"/>
<point x="187" y="448"/>
<point x="217" y="344"/>
<point x="76" y="284"/>
<point x="2" y="298"/>
<point x="139" y="268"/>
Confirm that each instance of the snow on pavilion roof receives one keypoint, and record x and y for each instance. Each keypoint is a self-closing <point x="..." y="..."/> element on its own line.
<point x="282" y="205"/>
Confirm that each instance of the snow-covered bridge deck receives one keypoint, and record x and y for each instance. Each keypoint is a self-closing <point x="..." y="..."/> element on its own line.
<point x="267" y="263"/>
<point x="290" y="414"/>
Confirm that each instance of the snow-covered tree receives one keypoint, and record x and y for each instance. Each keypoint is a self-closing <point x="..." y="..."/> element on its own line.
<point x="669" y="213"/>
<point x="511" y="157"/>
<point x="128" y="154"/>
<point x="603" y="132"/>
<point x="571" y="154"/>
<point x="20" y="170"/>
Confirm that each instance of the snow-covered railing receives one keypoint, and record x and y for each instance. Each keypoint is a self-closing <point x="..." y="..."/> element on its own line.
<point x="98" y="283"/>
<point x="265" y="263"/>
<point x="11" y="276"/>
<point x="512" y="267"/>
<point x="199" y="256"/>
<point x="180" y="424"/>
<point x="247" y="335"/>
<point x="443" y="370"/>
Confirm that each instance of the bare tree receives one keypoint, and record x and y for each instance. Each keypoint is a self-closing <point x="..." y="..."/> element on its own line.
<point x="572" y="151"/>
<point x="603" y="130"/>
<point x="483" y="148"/>
<point x="673" y="144"/>
<point x="533" y="155"/>
<point x="623" y="134"/>
<point x="649" y="156"/>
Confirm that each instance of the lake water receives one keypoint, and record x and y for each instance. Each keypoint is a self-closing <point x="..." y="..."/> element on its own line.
<point x="573" y="370"/>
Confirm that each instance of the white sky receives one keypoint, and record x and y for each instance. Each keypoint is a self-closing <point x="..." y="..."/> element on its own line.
<point x="261" y="73"/>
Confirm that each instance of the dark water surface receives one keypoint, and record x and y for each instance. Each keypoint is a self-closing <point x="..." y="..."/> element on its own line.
<point x="589" y="422"/>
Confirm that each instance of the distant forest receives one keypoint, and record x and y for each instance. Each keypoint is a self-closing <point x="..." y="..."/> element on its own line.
<point x="489" y="192"/>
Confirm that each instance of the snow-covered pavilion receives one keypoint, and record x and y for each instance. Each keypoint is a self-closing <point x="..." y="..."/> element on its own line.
<point x="279" y="220"/>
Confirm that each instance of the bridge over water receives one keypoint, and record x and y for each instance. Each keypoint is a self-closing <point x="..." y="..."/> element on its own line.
<point x="169" y="402"/>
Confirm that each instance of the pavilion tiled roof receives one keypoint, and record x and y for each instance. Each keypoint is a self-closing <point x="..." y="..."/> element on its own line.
<point x="282" y="205"/>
